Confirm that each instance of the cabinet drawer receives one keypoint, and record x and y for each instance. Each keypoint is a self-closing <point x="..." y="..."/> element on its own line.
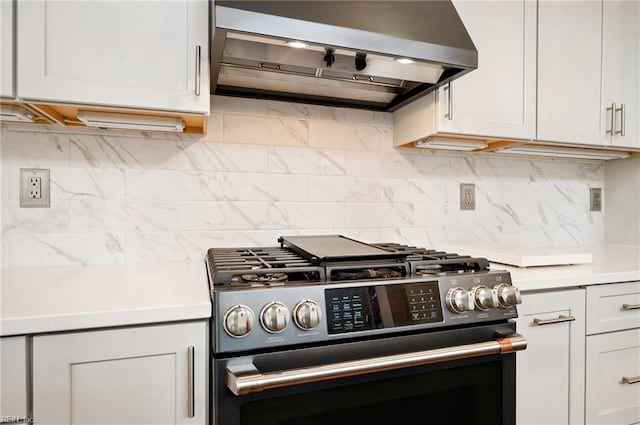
<point x="613" y="307"/>
<point x="613" y="364"/>
<point x="13" y="378"/>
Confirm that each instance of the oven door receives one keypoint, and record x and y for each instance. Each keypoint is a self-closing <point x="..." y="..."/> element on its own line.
<point x="464" y="376"/>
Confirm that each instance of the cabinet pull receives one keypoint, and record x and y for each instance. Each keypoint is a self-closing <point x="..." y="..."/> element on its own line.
<point x="622" y="123"/>
<point x="198" y="69"/>
<point x="190" y="383"/>
<point x="559" y="319"/>
<point x="630" y="306"/>
<point x="449" y="114"/>
<point x="634" y="380"/>
<point x="612" y="118"/>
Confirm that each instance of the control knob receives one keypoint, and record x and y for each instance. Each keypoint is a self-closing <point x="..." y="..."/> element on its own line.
<point x="460" y="300"/>
<point x="485" y="298"/>
<point x="508" y="295"/>
<point x="274" y="317"/>
<point x="307" y="315"/>
<point x="238" y="321"/>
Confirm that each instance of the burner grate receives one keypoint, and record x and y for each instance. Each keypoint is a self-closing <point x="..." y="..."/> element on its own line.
<point x="283" y="265"/>
<point x="425" y="261"/>
<point x="248" y="266"/>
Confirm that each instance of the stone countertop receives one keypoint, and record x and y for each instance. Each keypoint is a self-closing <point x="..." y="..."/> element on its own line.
<point x="51" y="299"/>
<point x="611" y="264"/>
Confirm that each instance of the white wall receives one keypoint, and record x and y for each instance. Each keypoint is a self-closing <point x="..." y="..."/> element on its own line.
<point x="622" y="201"/>
<point x="267" y="169"/>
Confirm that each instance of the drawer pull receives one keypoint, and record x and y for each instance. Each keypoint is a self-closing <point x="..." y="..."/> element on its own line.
<point x="630" y="306"/>
<point x="634" y="380"/>
<point x="560" y="319"/>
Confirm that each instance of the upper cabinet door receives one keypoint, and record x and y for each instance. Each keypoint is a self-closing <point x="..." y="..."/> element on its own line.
<point x="6" y="49"/>
<point x="621" y="71"/>
<point x="498" y="98"/>
<point x="138" y="54"/>
<point x="570" y="72"/>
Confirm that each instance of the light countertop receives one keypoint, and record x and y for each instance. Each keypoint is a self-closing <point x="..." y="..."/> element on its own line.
<point x="610" y="264"/>
<point x="36" y="300"/>
<point x="48" y="299"/>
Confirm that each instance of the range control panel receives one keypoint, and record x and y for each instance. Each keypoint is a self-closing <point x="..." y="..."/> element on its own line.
<point x="382" y="306"/>
<point x="264" y="317"/>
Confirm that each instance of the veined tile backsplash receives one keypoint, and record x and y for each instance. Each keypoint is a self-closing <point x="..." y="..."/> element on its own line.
<point x="267" y="169"/>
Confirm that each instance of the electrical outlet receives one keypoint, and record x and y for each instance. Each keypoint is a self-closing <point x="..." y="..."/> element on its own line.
<point x="34" y="188"/>
<point x="595" y="199"/>
<point x="467" y="196"/>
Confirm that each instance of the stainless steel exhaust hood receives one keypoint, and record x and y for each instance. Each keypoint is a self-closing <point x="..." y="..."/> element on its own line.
<point x="368" y="54"/>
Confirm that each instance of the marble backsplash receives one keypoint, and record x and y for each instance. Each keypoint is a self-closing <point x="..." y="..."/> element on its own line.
<point x="267" y="169"/>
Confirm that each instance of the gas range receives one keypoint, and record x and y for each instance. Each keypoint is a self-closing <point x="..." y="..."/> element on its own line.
<point x="324" y="289"/>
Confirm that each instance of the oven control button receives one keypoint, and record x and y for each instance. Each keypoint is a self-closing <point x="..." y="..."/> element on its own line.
<point x="460" y="300"/>
<point x="238" y="321"/>
<point x="485" y="298"/>
<point x="274" y="317"/>
<point x="307" y="315"/>
<point x="508" y="295"/>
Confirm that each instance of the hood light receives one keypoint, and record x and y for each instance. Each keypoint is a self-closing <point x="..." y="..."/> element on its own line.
<point x="404" y="61"/>
<point x="451" y="145"/>
<point x="297" y="44"/>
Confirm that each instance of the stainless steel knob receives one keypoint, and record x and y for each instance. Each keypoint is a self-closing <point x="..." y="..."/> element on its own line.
<point x="485" y="298"/>
<point x="274" y="317"/>
<point x="238" y="321"/>
<point x="307" y="315"/>
<point x="508" y="295"/>
<point x="460" y="300"/>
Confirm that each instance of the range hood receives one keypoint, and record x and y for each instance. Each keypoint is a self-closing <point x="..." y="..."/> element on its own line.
<point x="368" y="54"/>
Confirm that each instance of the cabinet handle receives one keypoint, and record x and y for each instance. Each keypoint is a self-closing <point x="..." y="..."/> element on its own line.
<point x="449" y="114"/>
<point x="559" y="319"/>
<point x="612" y="118"/>
<point x="634" y="380"/>
<point x="198" y="69"/>
<point x="630" y="306"/>
<point x="622" y="123"/>
<point x="190" y="383"/>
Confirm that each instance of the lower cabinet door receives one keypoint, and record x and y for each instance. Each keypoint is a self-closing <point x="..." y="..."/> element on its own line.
<point x="613" y="378"/>
<point x="141" y="375"/>
<point x="14" y="379"/>
<point x="550" y="372"/>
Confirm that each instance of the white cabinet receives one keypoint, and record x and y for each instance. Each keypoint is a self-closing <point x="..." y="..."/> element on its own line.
<point x="613" y="354"/>
<point x="570" y="72"/>
<point x="621" y="71"/>
<point x="140" y="54"/>
<point x="6" y="49"/>
<point x="613" y="371"/>
<point x="13" y="379"/>
<point x="139" y="375"/>
<point x="588" y="85"/>
<point x="550" y="372"/>
<point x="495" y="100"/>
<point x="498" y="98"/>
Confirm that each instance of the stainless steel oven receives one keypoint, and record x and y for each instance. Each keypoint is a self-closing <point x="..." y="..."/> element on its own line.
<point x="405" y="341"/>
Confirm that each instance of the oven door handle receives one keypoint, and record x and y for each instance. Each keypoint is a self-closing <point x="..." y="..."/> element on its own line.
<point x="242" y="380"/>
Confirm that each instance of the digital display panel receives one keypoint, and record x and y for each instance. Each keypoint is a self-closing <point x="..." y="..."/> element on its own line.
<point x="382" y="306"/>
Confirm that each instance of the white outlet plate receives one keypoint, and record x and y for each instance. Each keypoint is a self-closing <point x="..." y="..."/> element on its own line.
<point x="467" y="196"/>
<point x="34" y="188"/>
<point x="595" y="199"/>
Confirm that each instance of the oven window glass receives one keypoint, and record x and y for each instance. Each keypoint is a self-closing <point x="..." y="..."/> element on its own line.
<point x="465" y="395"/>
